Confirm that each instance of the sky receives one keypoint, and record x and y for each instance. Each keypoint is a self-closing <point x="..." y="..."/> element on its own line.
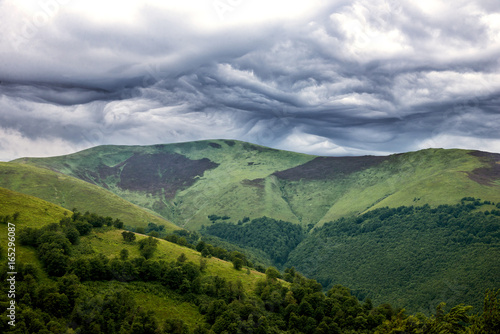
<point x="336" y="78"/>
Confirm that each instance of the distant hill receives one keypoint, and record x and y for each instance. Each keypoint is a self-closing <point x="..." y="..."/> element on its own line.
<point x="187" y="182"/>
<point x="69" y="192"/>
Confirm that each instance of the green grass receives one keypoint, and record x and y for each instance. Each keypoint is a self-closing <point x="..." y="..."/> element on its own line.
<point x="111" y="242"/>
<point x="151" y="296"/>
<point x="433" y="176"/>
<point x="220" y="189"/>
<point x="166" y="304"/>
<point x="243" y="185"/>
<point x="69" y="192"/>
<point x="34" y="212"/>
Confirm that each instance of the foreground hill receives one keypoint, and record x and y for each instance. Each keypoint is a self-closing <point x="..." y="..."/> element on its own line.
<point x="69" y="192"/>
<point x="187" y="182"/>
<point x="85" y="277"/>
<point x="29" y="213"/>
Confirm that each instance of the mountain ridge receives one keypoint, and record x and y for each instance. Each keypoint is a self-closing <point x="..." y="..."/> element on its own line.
<point x="186" y="182"/>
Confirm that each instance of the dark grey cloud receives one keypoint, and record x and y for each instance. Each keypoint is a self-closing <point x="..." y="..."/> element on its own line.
<point x="338" y="78"/>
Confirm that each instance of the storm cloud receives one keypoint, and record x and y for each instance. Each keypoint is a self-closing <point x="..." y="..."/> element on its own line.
<point x="320" y="77"/>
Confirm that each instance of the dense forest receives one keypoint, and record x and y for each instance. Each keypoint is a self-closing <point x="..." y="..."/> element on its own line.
<point x="446" y="253"/>
<point x="276" y="238"/>
<point x="69" y="299"/>
<point x="411" y="256"/>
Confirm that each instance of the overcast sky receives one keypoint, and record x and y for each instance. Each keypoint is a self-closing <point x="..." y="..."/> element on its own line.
<point x="323" y="77"/>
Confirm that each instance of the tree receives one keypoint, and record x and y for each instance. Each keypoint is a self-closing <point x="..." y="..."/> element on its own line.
<point x="148" y="246"/>
<point x="175" y="326"/>
<point x="203" y="265"/>
<point x="128" y="236"/>
<point x="55" y="261"/>
<point x="200" y="246"/>
<point x="182" y="258"/>
<point x="83" y="227"/>
<point x="489" y="320"/>
<point x="237" y="263"/>
<point x="118" y="223"/>
<point x="72" y="234"/>
<point x="205" y="253"/>
<point x="154" y="234"/>
<point x="124" y="254"/>
<point x="272" y="273"/>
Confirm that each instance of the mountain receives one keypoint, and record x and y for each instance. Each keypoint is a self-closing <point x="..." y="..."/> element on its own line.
<point x="71" y="274"/>
<point x="410" y="256"/>
<point x="400" y="229"/>
<point x="187" y="182"/>
<point x="69" y="192"/>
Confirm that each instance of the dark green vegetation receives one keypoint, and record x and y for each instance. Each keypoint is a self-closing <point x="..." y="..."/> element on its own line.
<point x="187" y="182"/>
<point x="412" y="257"/>
<point x="409" y="256"/>
<point x="89" y="290"/>
<point x="275" y="238"/>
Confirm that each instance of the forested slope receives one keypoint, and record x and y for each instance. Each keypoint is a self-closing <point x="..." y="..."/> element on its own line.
<point x="409" y="256"/>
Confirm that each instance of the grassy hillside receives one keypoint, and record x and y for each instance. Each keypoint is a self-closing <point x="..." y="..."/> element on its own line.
<point x="33" y="212"/>
<point x="69" y="192"/>
<point x="187" y="182"/>
<point x="36" y="212"/>
<point x="433" y="176"/>
<point x="225" y="177"/>
<point x="165" y="304"/>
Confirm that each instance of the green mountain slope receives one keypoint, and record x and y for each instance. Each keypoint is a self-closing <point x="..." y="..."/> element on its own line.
<point x="409" y="256"/>
<point x="34" y="213"/>
<point x="187" y="182"/>
<point x="69" y="192"/>
<point x="106" y="285"/>
<point x="413" y="258"/>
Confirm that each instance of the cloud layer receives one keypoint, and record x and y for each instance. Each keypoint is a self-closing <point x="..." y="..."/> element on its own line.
<point x="331" y="78"/>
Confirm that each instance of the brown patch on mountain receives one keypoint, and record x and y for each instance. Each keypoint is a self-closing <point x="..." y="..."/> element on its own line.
<point x="157" y="173"/>
<point x="324" y="168"/>
<point x="215" y="145"/>
<point x="259" y="183"/>
<point x="489" y="174"/>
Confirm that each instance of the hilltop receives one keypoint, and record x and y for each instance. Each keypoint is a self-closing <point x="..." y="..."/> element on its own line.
<point x="187" y="182"/>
